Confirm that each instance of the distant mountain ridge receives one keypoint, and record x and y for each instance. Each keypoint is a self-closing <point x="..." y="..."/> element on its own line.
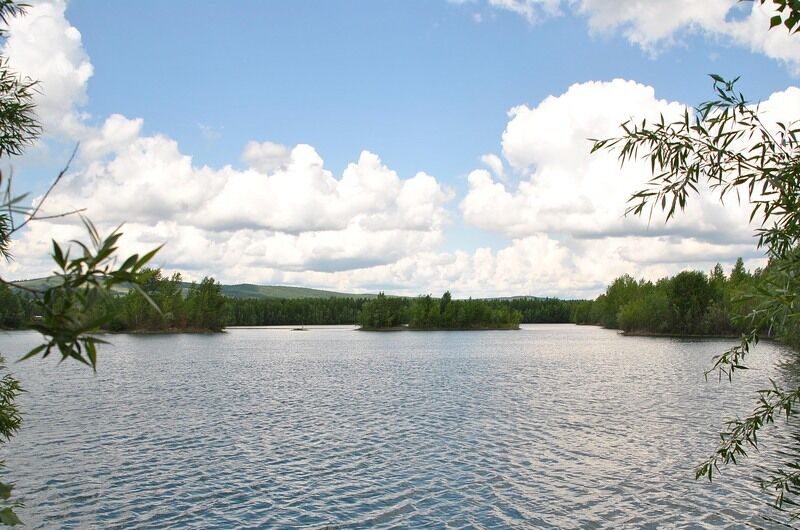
<point x="249" y="290"/>
<point x="239" y="290"/>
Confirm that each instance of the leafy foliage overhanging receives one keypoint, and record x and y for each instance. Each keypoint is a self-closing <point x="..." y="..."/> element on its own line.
<point x="725" y="145"/>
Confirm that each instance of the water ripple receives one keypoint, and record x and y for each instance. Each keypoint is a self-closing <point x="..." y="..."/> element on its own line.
<point x="549" y="427"/>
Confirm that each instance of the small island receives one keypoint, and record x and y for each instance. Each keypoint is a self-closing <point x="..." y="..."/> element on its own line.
<point x="426" y="313"/>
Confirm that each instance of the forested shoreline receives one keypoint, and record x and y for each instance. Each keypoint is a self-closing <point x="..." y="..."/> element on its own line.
<point x="159" y="304"/>
<point x="203" y="307"/>
<point x="691" y="303"/>
<point x="428" y="313"/>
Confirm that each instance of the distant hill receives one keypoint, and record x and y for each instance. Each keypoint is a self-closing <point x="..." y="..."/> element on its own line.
<point x="39" y="284"/>
<point x="240" y="290"/>
<point x="521" y="297"/>
<point x="249" y="290"/>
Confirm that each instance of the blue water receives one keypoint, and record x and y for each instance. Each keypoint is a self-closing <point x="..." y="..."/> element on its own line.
<point x="547" y="427"/>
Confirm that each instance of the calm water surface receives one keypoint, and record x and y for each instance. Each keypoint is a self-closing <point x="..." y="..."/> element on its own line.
<point x="547" y="427"/>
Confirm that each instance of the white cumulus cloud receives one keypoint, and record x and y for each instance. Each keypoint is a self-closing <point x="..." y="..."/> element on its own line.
<point x="653" y="24"/>
<point x="284" y="212"/>
<point x="568" y="190"/>
<point x="297" y="217"/>
<point x="44" y="46"/>
<point x="265" y="156"/>
<point x="576" y="199"/>
<point x="287" y="218"/>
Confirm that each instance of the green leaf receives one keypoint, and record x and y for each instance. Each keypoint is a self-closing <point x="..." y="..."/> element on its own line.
<point x="130" y="262"/>
<point x="33" y="352"/>
<point x="147" y="257"/>
<point x="58" y="256"/>
<point x="5" y="490"/>
<point x="93" y="234"/>
<point x="91" y="353"/>
<point x="9" y="518"/>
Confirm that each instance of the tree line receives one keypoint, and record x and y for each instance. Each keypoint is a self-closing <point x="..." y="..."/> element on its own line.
<point x="392" y="311"/>
<point x="426" y="312"/>
<point x="293" y="311"/>
<point x="689" y="303"/>
<point x="156" y="304"/>
<point x="170" y="306"/>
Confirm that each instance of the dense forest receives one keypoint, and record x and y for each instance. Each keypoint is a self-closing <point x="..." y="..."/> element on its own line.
<point x="293" y="311"/>
<point x="689" y="303"/>
<point x="426" y="312"/>
<point x="15" y="310"/>
<point x="167" y="306"/>
<point x="391" y="311"/>
<point x="202" y="307"/>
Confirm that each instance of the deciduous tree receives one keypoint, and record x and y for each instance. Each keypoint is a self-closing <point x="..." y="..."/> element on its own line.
<point x="725" y="145"/>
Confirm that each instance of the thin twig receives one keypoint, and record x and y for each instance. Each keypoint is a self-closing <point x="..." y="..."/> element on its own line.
<point x="32" y="216"/>
<point x="65" y="214"/>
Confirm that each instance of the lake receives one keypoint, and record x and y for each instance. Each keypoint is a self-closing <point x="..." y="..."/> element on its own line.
<point x="552" y="426"/>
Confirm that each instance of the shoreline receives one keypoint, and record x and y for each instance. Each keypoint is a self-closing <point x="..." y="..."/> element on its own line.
<point x="679" y="336"/>
<point x="167" y="331"/>
<point x="201" y="331"/>
<point x="406" y="328"/>
<point x="674" y="335"/>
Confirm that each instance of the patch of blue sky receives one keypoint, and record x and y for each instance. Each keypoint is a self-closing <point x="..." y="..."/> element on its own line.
<point x="421" y="83"/>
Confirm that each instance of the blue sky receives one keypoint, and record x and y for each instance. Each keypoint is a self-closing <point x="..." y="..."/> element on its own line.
<point x="424" y="85"/>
